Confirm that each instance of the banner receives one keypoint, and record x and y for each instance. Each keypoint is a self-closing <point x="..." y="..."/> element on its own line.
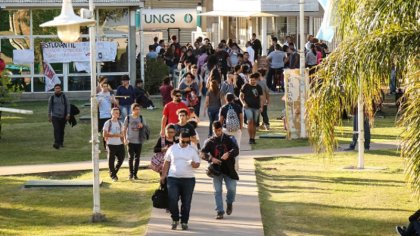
<point x="326" y="31"/>
<point x="51" y="77"/>
<point x="57" y="52"/>
<point x="23" y="57"/>
<point x="293" y="101"/>
<point x="164" y="18"/>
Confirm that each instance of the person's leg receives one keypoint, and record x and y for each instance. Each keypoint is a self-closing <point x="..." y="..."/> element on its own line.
<point x="355" y="132"/>
<point x="213" y="116"/>
<point x="56" y="126"/>
<point x="218" y="193"/>
<point x="255" y="115"/>
<point x="137" y="153"/>
<point x="131" y="154"/>
<point x="124" y="112"/>
<point x="188" y="185"/>
<point x="120" y="157"/>
<point x="264" y="115"/>
<point x="281" y="76"/>
<point x="231" y="192"/>
<point x="367" y="133"/>
<point x="63" y="122"/>
<point x="173" y="196"/>
<point x="111" y="160"/>
<point x="249" y="117"/>
<point x="269" y="78"/>
<point x="197" y="107"/>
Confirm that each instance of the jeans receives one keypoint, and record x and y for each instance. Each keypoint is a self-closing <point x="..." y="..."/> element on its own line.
<point x="58" y="124"/>
<point x="213" y="116"/>
<point x="118" y="152"/>
<point x="184" y="188"/>
<point x="356" y="134"/>
<point x="134" y="151"/>
<point x="218" y="191"/>
<point x="252" y="114"/>
<point x="125" y="111"/>
<point x="264" y="115"/>
<point x="269" y="79"/>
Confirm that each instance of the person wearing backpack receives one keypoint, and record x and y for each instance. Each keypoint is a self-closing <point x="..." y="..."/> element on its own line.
<point x="132" y="126"/>
<point x="232" y="119"/>
<point x="58" y="114"/>
<point x="114" y="137"/>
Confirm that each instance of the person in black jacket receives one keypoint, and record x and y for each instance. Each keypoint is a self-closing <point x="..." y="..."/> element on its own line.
<point x="221" y="149"/>
<point x="58" y="114"/>
<point x="413" y="227"/>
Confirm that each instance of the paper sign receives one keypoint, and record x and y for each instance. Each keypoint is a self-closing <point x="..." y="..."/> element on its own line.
<point x="23" y="57"/>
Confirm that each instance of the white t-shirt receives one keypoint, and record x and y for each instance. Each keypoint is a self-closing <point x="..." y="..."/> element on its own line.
<point x="116" y="128"/>
<point x="251" y="53"/>
<point x="180" y="159"/>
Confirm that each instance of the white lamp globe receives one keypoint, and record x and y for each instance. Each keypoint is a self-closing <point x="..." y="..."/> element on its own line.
<point x="68" y="33"/>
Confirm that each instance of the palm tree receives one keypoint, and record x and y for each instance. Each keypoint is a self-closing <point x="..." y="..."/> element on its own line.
<point x="373" y="35"/>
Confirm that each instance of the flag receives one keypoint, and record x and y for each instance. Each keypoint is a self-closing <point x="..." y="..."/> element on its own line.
<point x="326" y="31"/>
<point x="51" y="77"/>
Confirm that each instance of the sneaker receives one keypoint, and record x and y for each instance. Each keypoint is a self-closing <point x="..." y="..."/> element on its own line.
<point x="253" y="141"/>
<point x="174" y="225"/>
<point x="266" y="127"/>
<point x="400" y="230"/>
<point x="130" y="177"/>
<point x="135" y="177"/>
<point x="229" y="209"/>
<point x="250" y="141"/>
<point x="349" y="149"/>
<point x="61" y="145"/>
<point x="150" y="108"/>
<point x="114" y="179"/>
<point x="56" y="146"/>
<point x="184" y="226"/>
<point x="219" y="216"/>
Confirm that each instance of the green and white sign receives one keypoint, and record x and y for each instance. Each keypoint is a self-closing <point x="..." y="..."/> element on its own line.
<point x="168" y="18"/>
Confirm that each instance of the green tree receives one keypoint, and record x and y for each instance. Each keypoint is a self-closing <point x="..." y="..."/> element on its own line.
<point x="373" y="35"/>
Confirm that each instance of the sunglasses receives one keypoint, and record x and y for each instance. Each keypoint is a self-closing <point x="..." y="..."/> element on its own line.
<point x="185" y="142"/>
<point x="178" y="95"/>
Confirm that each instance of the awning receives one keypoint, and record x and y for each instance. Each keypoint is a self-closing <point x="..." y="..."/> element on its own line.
<point x="238" y="13"/>
<point x="259" y="13"/>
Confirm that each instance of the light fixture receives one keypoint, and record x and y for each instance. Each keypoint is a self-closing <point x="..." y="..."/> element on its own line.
<point x="67" y="23"/>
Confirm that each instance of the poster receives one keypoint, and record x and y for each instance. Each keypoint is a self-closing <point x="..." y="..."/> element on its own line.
<point x="23" y="57"/>
<point x="293" y="101"/>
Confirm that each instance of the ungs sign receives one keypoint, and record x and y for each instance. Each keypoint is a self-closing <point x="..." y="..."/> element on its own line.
<point x="169" y="18"/>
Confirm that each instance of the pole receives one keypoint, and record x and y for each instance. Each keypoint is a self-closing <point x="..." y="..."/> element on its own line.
<point x="141" y="46"/>
<point x="360" y="124"/>
<point x="96" y="216"/>
<point x="264" y="35"/>
<point x="302" y="69"/>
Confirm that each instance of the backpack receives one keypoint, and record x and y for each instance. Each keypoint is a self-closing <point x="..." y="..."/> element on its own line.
<point x="232" y="121"/>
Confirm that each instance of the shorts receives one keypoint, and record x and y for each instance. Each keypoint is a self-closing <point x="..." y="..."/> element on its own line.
<point x="252" y="114"/>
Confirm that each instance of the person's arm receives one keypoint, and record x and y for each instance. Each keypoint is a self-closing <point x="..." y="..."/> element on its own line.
<point x="158" y="147"/>
<point x="242" y="98"/>
<point x="165" y="170"/>
<point x="163" y="125"/>
<point x="125" y="130"/>
<point x="206" y="103"/>
<point x="241" y="120"/>
<point x="50" y="101"/>
<point x="221" y="116"/>
<point x="67" y="108"/>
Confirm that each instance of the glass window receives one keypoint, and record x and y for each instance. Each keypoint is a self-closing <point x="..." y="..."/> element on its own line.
<point x="39" y="83"/>
<point x="79" y="83"/>
<point x="15" y="22"/>
<point x="41" y="16"/>
<point x="114" y="21"/>
<point x="121" y="61"/>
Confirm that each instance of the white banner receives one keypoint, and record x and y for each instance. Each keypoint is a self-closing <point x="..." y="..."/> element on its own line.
<point x="51" y="77"/>
<point x="161" y="18"/>
<point x="57" y="52"/>
<point x="23" y="57"/>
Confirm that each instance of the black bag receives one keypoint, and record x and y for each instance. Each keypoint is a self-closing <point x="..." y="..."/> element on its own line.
<point x="213" y="170"/>
<point x="160" y="198"/>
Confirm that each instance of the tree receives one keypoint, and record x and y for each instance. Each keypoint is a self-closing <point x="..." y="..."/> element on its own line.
<point x="373" y="35"/>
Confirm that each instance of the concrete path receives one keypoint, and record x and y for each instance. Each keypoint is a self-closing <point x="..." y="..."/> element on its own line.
<point x="246" y="216"/>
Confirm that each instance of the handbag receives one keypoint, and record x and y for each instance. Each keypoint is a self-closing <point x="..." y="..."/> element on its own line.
<point x="213" y="170"/>
<point x="160" y="198"/>
<point x="156" y="163"/>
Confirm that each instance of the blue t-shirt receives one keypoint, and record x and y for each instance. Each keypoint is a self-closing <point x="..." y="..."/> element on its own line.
<point x="105" y="104"/>
<point x="128" y="92"/>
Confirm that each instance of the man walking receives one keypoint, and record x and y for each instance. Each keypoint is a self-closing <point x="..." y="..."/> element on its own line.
<point x="114" y="136"/>
<point x="126" y="96"/>
<point x="169" y="115"/>
<point x="180" y="160"/>
<point x="232" y="119"/>
<point x="58" y="114"/>
<point x="276" y="60"/>
<point x="221" y="149"/>
<point x="105" y="100"/>
<point x="132" y="126"/>
<point x="252" y="99"/>
<point x="266" y="100"/>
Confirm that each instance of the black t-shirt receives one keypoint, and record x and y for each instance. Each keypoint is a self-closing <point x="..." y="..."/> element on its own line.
<point x="225" y="108"/>
<point x="252" y="95"/>
<point x="238" y="85"/>
<point x="187" y="128"/>
<point x="222" y="56"/>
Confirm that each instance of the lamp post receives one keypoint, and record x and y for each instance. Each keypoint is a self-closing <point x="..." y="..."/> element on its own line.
<point x="68" y="30"/>
<point x="199" y="10"/>
<point x="302" y="69"/>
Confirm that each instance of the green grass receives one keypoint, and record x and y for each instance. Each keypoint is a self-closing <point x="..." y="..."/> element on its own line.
<point x="67" y="211"/>
<point x="28" y="139"/>
<point x="307" y="195"/>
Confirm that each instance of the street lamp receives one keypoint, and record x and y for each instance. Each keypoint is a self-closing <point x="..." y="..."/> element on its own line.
<point x="199" y="10"/>
<point x="68" y="30"/>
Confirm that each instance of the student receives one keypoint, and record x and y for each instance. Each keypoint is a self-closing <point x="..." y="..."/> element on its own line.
<point x="58" y="115"/>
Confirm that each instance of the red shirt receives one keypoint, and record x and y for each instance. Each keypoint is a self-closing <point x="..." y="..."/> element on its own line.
<point x="170" y="111"/>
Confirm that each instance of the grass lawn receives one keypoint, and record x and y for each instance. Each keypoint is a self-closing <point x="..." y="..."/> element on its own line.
<point x="67" y="211"/>
<point x="306" y="195"/>
<point x="28" y="139"/>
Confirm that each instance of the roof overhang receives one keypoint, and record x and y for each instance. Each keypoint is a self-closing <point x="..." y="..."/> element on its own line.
<point x="259" y="13"/>
<point x="24" y="4"/>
